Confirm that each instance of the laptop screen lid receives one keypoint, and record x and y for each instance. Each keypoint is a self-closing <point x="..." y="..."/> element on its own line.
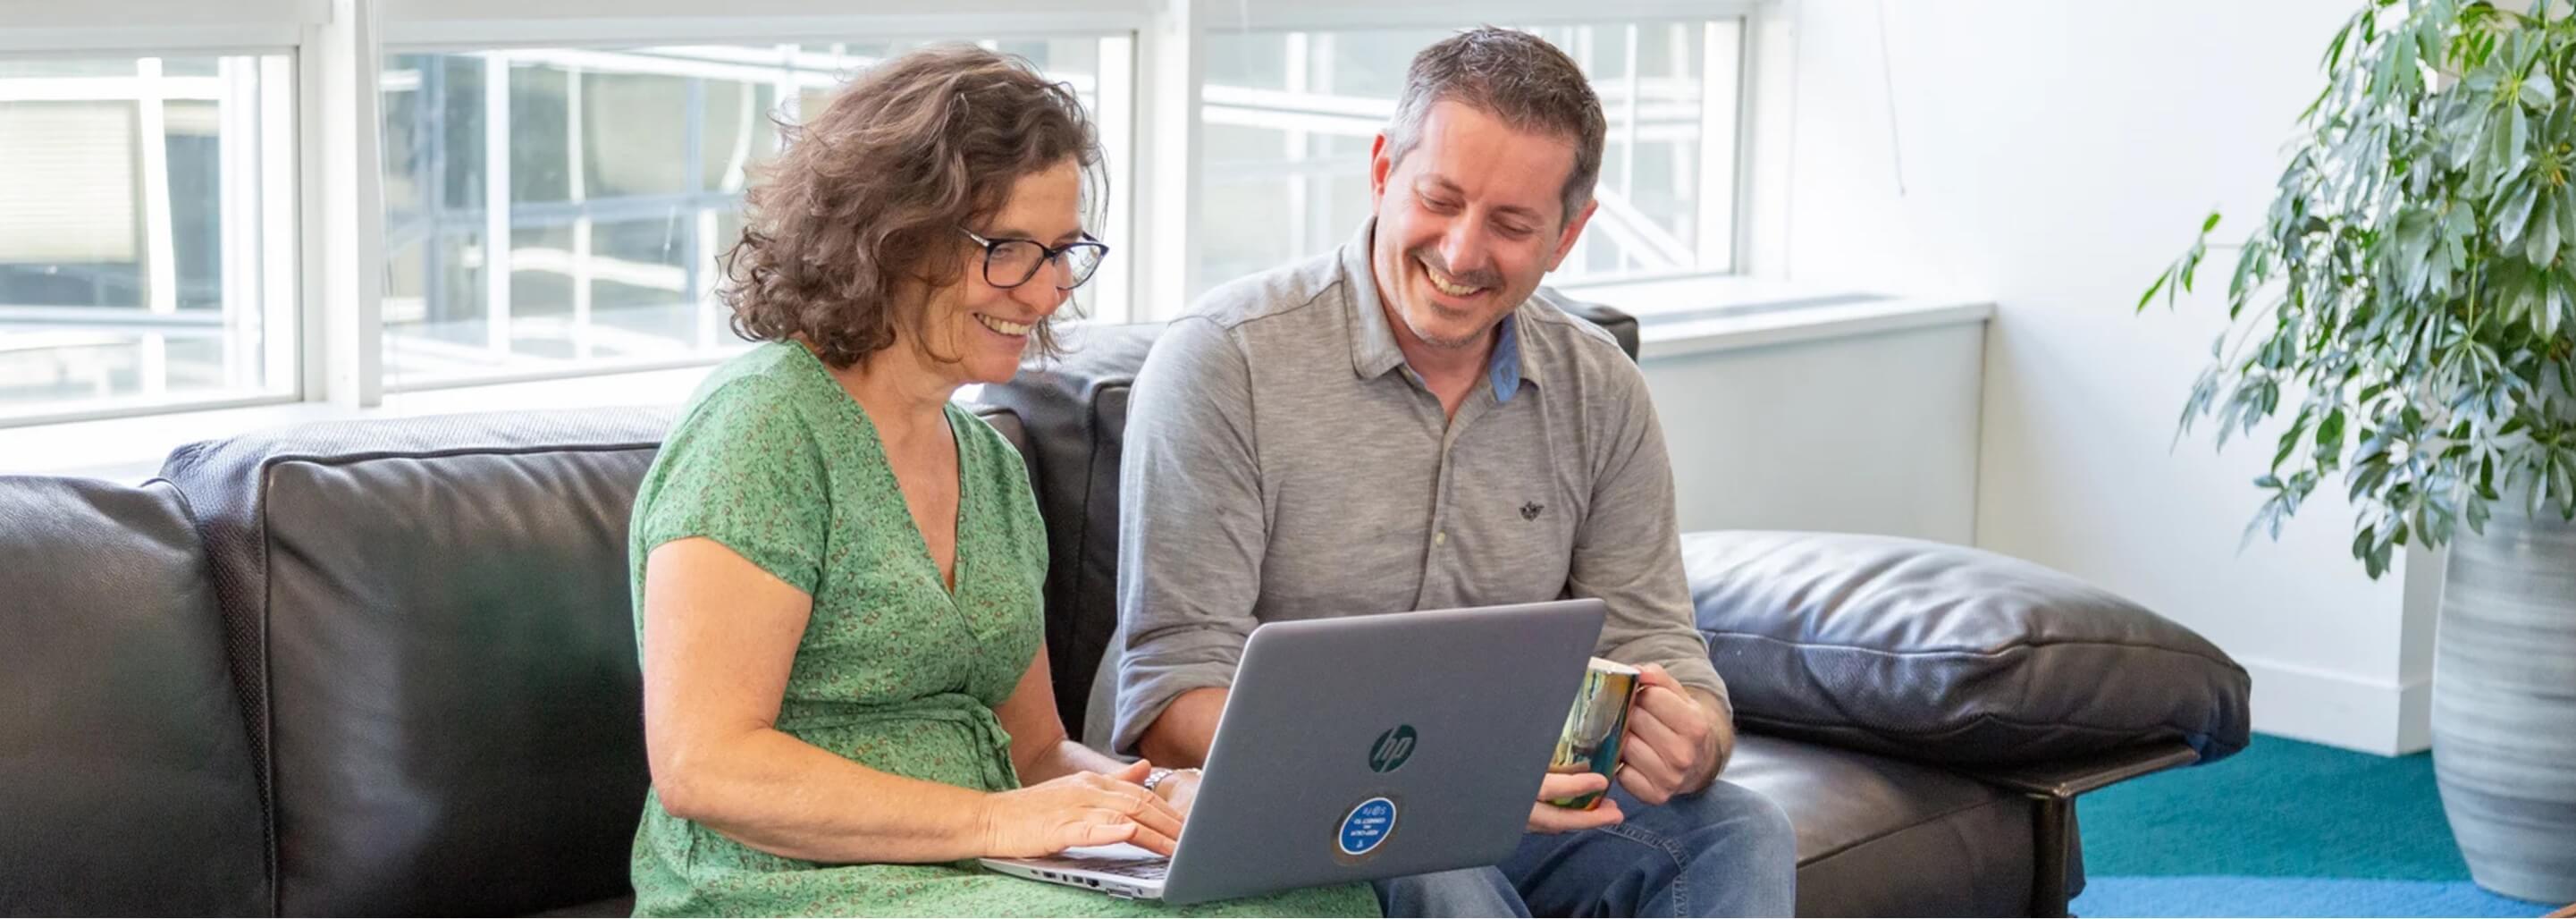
<point x="1365" y="747"/>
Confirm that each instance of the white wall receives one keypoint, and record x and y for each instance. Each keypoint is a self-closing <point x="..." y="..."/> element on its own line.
<point x="2055" y="156"/>
<point x="1810" y="436"/>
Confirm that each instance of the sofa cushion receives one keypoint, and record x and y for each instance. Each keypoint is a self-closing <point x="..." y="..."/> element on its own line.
<point x="126" y="784"/>
<point x="1938" y="652"/>
<point x="436" y="614"/>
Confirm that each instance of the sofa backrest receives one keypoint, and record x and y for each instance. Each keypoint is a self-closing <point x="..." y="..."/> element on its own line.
<point x="126" y="783"/>
<point x="430" y="620"/>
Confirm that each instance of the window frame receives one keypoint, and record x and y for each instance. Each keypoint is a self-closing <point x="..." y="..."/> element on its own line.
<point x="283" y="322"/>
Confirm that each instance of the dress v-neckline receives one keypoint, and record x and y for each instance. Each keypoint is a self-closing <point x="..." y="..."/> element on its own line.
<point x="955" y="577"/>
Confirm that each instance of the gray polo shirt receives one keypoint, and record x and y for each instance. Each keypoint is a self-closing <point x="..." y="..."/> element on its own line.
<point x="1282" y="462"/>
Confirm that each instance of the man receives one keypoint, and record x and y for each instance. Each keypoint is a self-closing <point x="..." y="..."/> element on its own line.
<point x="1407" y="423"/>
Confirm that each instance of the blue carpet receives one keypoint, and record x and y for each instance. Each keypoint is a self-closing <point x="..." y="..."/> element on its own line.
<point x="2245" y="896"/>
<point x="2284" y="828"/>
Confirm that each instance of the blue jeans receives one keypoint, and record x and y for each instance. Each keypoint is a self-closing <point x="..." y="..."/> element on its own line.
<point x="1725" y="851"/>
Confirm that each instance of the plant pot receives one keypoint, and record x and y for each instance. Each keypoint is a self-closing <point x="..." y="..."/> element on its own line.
<point x="2504" y="703"/>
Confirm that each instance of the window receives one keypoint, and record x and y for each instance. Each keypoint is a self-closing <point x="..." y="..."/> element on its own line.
<point x="585" y="236"/>
<point x="239" y="202"/>
<point x="1289" y="118"/>
<point x="147" y="244"/>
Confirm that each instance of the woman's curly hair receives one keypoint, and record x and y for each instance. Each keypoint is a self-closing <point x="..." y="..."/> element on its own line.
<point x="872" y="192"/>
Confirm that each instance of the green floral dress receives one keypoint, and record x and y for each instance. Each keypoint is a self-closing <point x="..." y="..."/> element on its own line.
<point x="773" y="460"/>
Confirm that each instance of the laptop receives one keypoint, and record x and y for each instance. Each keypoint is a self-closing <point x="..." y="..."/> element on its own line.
<point x="1360" y="748"/>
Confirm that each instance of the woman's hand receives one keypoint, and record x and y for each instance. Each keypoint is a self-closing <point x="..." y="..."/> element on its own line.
<point x="1082" y="809"/>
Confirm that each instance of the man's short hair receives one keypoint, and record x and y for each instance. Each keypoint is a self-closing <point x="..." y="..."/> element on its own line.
<point x="1513" y="76"/>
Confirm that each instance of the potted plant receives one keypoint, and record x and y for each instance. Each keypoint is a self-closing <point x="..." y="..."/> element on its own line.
<point x="2409" y="303"/>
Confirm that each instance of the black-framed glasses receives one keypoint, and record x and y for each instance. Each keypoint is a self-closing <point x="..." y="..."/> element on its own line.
<point x="1010" y="263"/>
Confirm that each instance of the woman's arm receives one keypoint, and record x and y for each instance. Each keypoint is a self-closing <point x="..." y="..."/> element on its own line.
<point x="1041" y="751"/>
<point x="720" y="635"/>
<point x="1039" y="746"/>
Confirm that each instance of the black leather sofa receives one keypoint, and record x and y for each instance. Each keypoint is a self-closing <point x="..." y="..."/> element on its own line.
<point x="388" y="668"/>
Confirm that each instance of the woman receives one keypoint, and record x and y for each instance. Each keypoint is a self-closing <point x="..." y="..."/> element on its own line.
<point x="837" y="571"/>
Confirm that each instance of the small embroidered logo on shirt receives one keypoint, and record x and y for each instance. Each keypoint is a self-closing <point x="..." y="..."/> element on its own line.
<point x="1530" y="511"/>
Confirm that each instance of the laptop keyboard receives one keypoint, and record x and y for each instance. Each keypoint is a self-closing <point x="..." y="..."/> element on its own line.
<point x="1139" y="869"/>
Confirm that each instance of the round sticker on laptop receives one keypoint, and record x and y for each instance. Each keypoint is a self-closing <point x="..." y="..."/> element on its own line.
<point x="1366" y="828"/>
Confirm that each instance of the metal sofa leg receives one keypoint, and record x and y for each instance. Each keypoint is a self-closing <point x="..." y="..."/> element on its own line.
<point x="2052" y="788"/>
<point x="2052" y="836"/>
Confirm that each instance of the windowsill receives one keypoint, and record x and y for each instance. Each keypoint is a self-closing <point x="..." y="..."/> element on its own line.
<point x="1710" y="314"/>
<point x="1675" y="317"/>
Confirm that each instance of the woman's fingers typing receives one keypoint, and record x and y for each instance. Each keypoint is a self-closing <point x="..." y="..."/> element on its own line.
<point x="1084" y="809"/>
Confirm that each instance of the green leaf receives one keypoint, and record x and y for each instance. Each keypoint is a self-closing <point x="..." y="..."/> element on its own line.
<point x="2518" y="132"/>
<point x="2150" y="295"/>
<point x="2289" y="442"/>
<point x="2383" y="78"/>
<point x="2508" y="137"/>
<point x="2564" y="201"/>
<point x="2543" y="234"/>
<point x="2228" y="415"/>
<point x="2334" y="51"/>
<point x="2537" y="91"/>
<point x="2366" y="478"/>
<point x="2250" y="266"/>
<point x="2211" y="223"/>
<point x="2509" y="222"/>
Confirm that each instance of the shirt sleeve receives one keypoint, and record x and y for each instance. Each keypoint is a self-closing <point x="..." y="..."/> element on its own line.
<point x="743" y="470"/>
<point x="1628" y="549"/>
<point x="1192" y="527"/>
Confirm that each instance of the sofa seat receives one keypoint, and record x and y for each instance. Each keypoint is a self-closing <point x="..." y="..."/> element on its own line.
<point x="1884" y="837"/>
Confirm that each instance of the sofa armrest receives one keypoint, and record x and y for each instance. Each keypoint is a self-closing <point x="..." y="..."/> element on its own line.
<point x="2068" y="778"/>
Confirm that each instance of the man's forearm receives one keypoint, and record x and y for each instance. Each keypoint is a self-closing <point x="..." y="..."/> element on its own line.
<point x="1065" y="758"/>
<point x="1181" y="736"/>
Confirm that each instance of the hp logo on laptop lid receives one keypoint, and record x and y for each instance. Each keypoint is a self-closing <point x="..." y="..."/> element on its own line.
<point x="1391" y="749"/>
